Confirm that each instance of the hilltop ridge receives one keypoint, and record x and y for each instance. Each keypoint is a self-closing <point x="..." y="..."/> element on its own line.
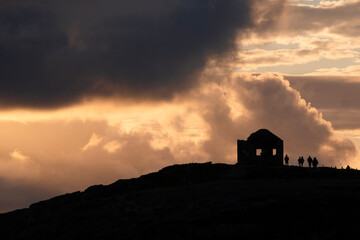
<point x="200" y="201"/>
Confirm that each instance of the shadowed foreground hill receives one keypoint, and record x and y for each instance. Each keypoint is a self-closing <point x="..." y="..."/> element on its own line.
<point x="201" y="201"/>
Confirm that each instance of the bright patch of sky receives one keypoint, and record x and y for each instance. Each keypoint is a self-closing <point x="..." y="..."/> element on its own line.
<point x="305" y="54"/>
<point x="310" y="2"/>
<point x="271" y="46"/>
<point x="306" y="68"/>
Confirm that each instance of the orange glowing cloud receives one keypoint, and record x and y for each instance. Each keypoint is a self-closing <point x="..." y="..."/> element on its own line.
<point x="59" y="151"/>
<point x="170" y="96"/>
<point x="93" y="142"/>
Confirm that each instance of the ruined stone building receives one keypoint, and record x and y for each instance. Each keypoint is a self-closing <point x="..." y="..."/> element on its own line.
<point x="262" y="147"/>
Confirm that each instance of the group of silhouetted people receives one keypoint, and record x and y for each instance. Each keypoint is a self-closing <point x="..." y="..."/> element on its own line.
<point x="313" y="162"/>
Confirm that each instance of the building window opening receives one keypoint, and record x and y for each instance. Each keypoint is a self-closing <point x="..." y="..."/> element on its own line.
<point x="258" y="152"/>
<point x="274" y="152"/>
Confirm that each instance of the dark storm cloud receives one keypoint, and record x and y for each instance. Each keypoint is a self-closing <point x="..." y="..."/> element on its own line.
<point x="53" y="53"/>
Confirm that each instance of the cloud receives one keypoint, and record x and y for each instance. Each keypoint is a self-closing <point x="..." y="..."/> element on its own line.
<point x="198" y="126"/>
<point x="268" y="101"/>
<point x="352" y="70"/>
<point x="112" y="146"/>
<point x="93" y="142"/>
<point x="330" y="17"/>
<point x="329" y="92"/>
<point x="336" y="96"/>
<point x="59" y="165"/>
<point x="16" y="154"/>
<point x="310" y="51"/>
<point x="57" y="53"/>
<point x="322" y="38"/>
<point x="336" y="21"/>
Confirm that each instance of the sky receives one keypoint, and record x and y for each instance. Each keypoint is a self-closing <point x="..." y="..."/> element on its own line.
<point x="95" y="91"/>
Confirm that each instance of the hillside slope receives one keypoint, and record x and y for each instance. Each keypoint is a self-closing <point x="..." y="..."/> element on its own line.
<point x="201" y="201"/>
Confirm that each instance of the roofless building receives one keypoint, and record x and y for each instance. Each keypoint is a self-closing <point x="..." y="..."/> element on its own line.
<point x="262" y="147"/>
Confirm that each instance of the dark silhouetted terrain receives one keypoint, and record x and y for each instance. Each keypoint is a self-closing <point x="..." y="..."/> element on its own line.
<point x="201" y="201"/>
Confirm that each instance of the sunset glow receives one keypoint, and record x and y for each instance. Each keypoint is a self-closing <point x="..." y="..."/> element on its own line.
<point x="88" y="103"/>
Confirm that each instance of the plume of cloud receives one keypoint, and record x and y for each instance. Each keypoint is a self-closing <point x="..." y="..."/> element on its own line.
<point x="327" y="94"/>
<point x="17" y="155"/>
<point x="93" y="142"/>
<point x="243" y="103"/>
<point x="199" y="126"/>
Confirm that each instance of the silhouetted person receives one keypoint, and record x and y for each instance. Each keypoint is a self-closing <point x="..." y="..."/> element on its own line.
<point x="309" y="160"/>
<point x="315" y="162"/>
<point x="301" y="161"/>
<point x="348" y="167"/>
<point x="286" y="160"/>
